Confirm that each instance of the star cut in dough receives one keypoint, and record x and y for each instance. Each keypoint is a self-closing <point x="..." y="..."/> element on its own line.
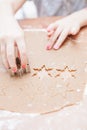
<point x="66" y="73"/>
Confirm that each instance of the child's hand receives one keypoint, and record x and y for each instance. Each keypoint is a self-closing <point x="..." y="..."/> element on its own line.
<point x="11" y="35"/>
<point x="59" y="30"/>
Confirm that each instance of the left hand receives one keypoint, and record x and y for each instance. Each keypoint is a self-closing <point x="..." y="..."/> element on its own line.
<point x="59" y="30"/>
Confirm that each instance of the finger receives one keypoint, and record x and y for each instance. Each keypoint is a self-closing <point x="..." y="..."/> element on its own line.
<point x="61" y="39"/>
<point x="50" y="33"/>
<point x="11" y="55"/>
<point x="54" y="38"/>
<point x="52" y="26"/>
<point x="4" y="57"/>
<point x="22" y="52"/>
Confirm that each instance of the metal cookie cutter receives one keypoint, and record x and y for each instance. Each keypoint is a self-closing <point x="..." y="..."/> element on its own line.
<point x="20" y="71"/>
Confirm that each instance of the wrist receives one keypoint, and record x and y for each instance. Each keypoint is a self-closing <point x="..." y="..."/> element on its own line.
<point x="82" y="17"/>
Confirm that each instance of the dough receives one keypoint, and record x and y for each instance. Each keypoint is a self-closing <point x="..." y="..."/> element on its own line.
<point x="57" y="78"/>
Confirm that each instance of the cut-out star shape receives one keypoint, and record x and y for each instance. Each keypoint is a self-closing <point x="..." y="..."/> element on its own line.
<point x="42" y="72"/>
<point x="66" y="73"/>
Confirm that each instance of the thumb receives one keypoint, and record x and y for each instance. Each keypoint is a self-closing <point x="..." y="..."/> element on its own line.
<point x="75" y="30"/>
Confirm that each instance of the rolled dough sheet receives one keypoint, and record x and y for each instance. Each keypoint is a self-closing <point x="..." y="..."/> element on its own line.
<point x="57" y="78"/>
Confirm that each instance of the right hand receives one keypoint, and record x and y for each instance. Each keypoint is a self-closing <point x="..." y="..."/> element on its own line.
<point x="12" y="35"/>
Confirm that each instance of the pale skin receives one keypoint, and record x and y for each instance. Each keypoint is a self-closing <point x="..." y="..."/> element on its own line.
<point x="12" y="35"/>
<point x="59" y="30"/>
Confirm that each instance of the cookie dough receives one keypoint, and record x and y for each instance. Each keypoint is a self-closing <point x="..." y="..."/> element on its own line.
<point x="57" y="78"/>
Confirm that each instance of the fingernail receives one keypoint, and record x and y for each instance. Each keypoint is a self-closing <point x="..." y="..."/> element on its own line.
<point x="24" y="66"/>
<point x="56" y="47"/>
<point x="49" y="34"/>
<point x="14" y="69"/>
<point x="48" y="30"/>
<point x="48" y="47"/>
